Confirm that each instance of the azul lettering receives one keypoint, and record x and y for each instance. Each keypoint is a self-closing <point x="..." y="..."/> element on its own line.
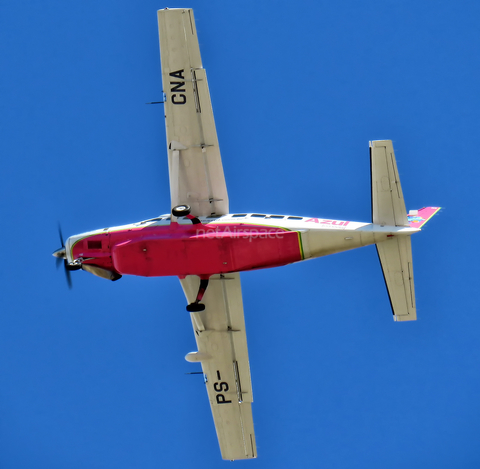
<point x="177" y="88"/>
<point x="220" y="387"/>
<point x="328" y="222"/>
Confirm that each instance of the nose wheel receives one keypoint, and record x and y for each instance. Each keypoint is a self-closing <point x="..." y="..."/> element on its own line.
<point x="196" y="306"/>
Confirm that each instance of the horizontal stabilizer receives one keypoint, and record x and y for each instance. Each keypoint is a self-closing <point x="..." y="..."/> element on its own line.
<point x="388" y="206"/>
<point x="396" y="258"/>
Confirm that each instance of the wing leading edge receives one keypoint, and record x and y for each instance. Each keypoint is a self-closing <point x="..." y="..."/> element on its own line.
<point x="222" y="351"/>
<point x="194" y="162"/>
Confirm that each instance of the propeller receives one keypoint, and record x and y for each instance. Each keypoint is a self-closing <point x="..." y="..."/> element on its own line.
<point x="60" y="254"/>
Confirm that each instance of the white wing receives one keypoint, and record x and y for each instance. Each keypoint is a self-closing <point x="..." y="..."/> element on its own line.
<point x="222" y="350"/>
<point x="195" y="165"/>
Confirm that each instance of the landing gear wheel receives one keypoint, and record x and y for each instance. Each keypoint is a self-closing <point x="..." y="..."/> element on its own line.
<point x="181" y="210"/>
<point x="195" y="308"/>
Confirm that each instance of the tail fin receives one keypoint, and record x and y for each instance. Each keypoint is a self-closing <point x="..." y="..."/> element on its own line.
<point x="418" y="218"/>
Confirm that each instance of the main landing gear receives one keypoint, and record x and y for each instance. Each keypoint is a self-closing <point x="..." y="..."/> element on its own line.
<point x="181" y="211"/>
<point x="196" y="306"/>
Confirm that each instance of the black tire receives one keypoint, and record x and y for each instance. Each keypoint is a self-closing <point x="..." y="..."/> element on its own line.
<point x="72" y="267"/>
<point x="181" y="210"/>
<point x="195" y="308"/>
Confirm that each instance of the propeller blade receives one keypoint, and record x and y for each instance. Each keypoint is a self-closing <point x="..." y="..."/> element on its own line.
<point x="60" y="254"/>
<point x="61" y="236"/>
<point x="68" y="274"/>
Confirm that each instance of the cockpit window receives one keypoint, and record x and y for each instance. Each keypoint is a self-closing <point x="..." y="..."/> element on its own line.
<point x="239" y="215"/>
<point x="295" y="218"/>
<point x="276" y="216"/>
<point x="257" y="215"/>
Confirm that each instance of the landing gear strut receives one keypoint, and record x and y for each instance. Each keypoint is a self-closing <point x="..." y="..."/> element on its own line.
<point x="75" y="265"/>
<point x="196" y="306"/>
<point x="180" y="211"/>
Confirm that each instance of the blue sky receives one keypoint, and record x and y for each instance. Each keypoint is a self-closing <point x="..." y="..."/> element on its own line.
<point x="94" y="377"/>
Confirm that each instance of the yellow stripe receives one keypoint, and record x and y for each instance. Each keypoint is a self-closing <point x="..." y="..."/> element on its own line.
<point x="434" y="213"/>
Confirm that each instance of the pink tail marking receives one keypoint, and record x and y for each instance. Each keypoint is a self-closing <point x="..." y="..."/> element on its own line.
<point x="418" y="218"/>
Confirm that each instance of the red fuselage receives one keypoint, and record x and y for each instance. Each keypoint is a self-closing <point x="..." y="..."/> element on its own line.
<point x="180" y="249"/>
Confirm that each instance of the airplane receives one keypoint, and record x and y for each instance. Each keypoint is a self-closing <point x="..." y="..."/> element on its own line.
<point x="206" y="246"/>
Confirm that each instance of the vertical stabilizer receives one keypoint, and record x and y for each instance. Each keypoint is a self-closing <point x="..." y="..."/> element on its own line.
<point x="418" y="218"/>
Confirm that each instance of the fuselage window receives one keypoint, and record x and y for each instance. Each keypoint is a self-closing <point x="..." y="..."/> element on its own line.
<point x="150" y="220"/>
<point x="94" y="244"/>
